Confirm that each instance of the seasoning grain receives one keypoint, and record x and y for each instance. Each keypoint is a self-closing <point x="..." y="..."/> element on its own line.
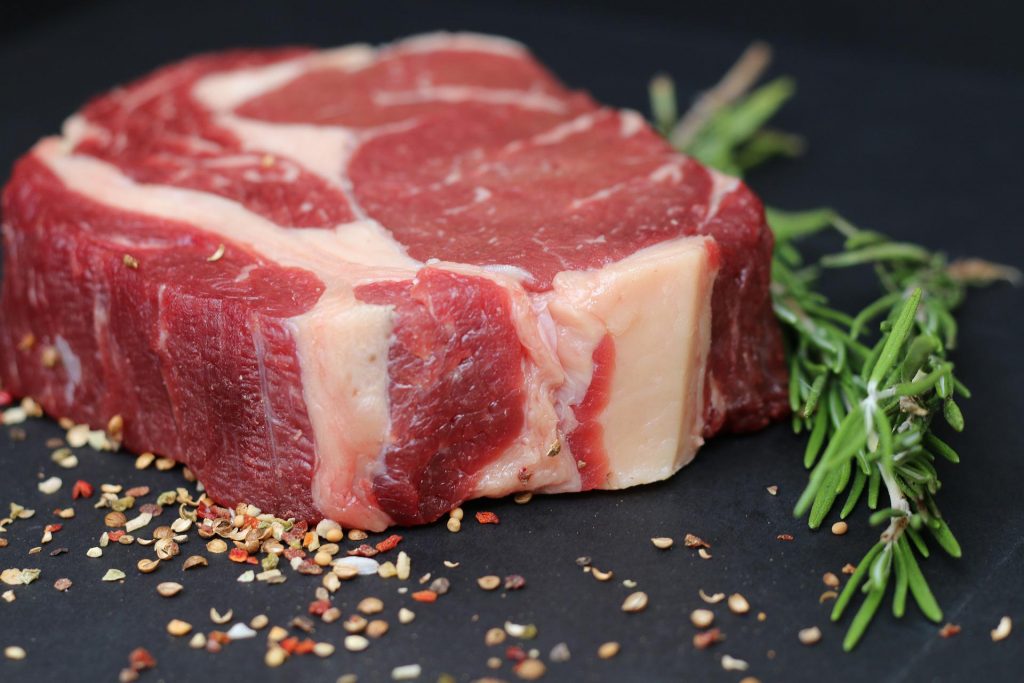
<point x="1002" y="631"/>
<point x="217" y="546"/>
<point x="217" y="254"/>
<point x="738" y="604"/>
<point x="15" y="652"/>
<point x="370" y="606"/>
<point x="177" y="627"/>
<point x="489" y="582"/>
<point x="275" y="657"/>
<point x="407" y="672"/>
<point x="115" y="519"/>
<point x="356" y="643"/>
<point x="840" y="528"/>
<point x="147" y="565"/>
<point x="608" y="650"/>
<point x="733" y="664"/>
<point x="635" y="602"/>
<point x="377" y="628"/>
<point x="168" y="589"/>
<point x="194" y="561"/>
<point x="662" y="542"/>
<point x="809" y="636"/>
<point x="530" y="669"/>
<point x="702" y="618"/>
<point x="560" y="653"/>
<point x="218" y="618"/>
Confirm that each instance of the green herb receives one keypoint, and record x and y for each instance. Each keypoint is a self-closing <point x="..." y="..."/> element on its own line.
<point x="868" y="389"/>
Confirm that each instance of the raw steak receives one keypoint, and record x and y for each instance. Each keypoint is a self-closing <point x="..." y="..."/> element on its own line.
<point x="370" y="284"/>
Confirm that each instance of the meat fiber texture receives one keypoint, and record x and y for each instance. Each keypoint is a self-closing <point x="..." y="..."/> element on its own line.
<point x="371" y="283"/>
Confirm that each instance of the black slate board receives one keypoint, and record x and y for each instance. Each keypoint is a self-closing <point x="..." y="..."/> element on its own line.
<point x="914" y="144"/>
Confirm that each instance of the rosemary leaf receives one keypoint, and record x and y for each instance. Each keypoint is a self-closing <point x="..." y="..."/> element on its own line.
<point x="895" y="338"/>
<point x="919" y="588"/>
<point x="946" y="539"/>
<point x="855" y="579"/>
<point x="864" y="615"/>
<point x="899" y="598"/>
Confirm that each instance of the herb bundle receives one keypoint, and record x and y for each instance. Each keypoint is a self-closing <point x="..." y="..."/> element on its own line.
<point x="868" y="389"/>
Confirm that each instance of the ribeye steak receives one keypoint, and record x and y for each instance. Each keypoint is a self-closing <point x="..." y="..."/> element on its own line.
<point x="370" y="284"/>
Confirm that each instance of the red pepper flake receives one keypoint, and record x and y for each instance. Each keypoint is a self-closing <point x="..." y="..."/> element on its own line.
<point x="140" y="659"/>
<point x="305" y="647"/>
<point x="487" y="518"/>
<point x="364" y="551"/>
<point x="296" y="534"/>
<point x="251" y="522"/>
<point x="388" y="543"/>
<point x="219" y="637"/>
<point x="292" y="553"/>
<point x="949" y="630"/>
<point x="304" y="624"/>
<point x="238" y="555"/>
<point x="515" y="653"/>
<point x="53" y="528"/>
<point x="424" y="596"/>
<point x="207" y="511"/>
<point x="289" y="644"/>
<point x="115" y="535"/>
<point x="694" y="541"/>
<point x="785" y="537"/>
<point x="5" y="399"/>
<point x="706" y="639"/>
<point x="318" y="607"/>
<point x="514" y="582"/>
<point x="81" y="489"/>
<point x="310" y="568"/>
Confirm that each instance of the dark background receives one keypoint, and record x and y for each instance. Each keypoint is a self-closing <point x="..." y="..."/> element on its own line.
<point x="913" y="112"/>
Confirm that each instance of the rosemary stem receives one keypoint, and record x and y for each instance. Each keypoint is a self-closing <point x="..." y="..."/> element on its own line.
<point x="897" y="501"/>
<point x="734" y="85"/>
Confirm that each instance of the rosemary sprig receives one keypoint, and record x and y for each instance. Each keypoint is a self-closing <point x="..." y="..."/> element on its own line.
<point x="865" y="388"/>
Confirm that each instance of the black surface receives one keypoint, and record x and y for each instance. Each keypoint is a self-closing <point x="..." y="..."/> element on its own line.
<point x="904" y="136"/>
